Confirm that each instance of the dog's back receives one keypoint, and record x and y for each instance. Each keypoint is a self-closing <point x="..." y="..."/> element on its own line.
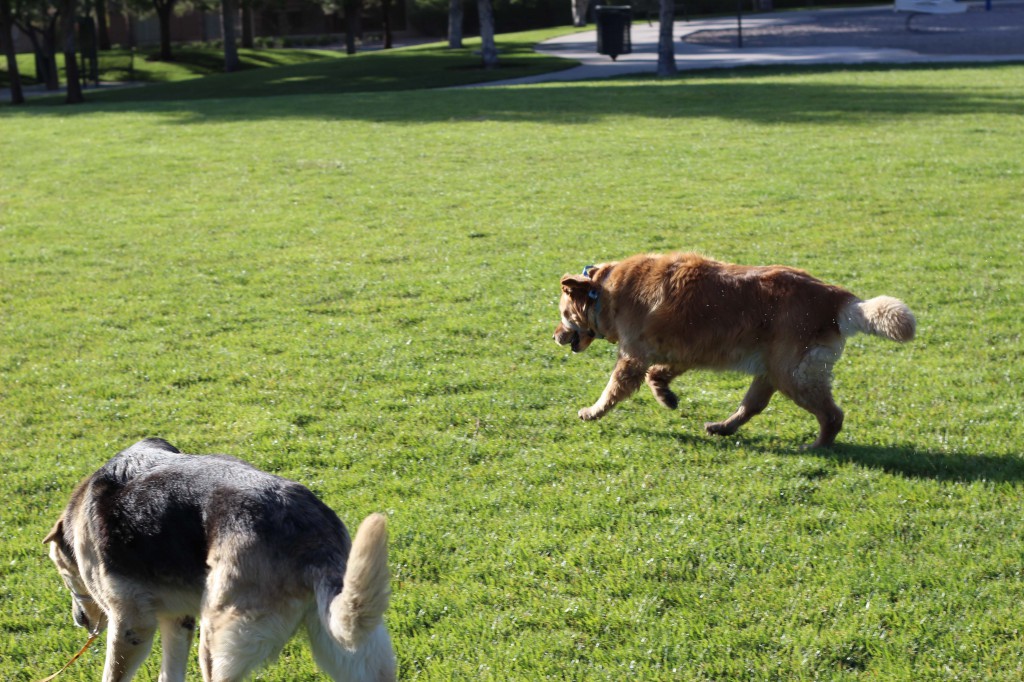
<point x="696" y="312"/>
<point x="169" y="516"/>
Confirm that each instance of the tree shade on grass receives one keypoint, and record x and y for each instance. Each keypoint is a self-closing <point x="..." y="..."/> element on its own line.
<point x="323" y="71"/>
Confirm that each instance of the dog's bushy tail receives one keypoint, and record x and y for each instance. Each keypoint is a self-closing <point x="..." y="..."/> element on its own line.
<point x="882" y="316"/>
<point x="358" y="610"/>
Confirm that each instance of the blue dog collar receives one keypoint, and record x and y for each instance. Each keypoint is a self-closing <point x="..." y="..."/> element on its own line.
<point x="587" y="269"/>
<point x="595" y="296"/>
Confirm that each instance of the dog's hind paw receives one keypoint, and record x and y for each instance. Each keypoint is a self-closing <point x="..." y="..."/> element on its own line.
<point x="719" y="429"/>
<point x="668" y="399"/>
<point x="588" y="414"/>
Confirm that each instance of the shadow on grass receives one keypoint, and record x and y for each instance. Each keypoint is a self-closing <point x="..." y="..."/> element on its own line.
<point x="738" y="95"/>
<point x="936" y="466"/>
<point x="905" y="461"/>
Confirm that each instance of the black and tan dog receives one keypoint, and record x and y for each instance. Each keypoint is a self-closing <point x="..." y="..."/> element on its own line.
<point x="155" y="538"/>
<point x="672" y="313"/>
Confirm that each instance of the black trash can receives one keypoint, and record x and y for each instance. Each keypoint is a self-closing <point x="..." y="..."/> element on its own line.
<point x="613" y="24"/>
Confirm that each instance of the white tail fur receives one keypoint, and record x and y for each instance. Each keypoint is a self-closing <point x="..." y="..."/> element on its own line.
<point x="882" y="316"/>
<point x="358" y="609"/>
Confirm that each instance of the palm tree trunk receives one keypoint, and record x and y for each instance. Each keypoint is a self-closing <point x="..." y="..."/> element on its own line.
<point x="74" y="90"/>
<point x="7" y="42"/>
<point x="455" y="24"/>
<point x="163" y="16"/>
<point x="247" y="32"/>
<point x="385" y="11"/>
<point x="666" y="46"/>
<point x="229" y="14"/>
<point x="488" y="51"/>
<point x="102" y="33"/>
<point x="579" y="12"/>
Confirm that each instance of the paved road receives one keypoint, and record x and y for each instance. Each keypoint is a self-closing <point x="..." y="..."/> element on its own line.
<point x="841" y="36"/>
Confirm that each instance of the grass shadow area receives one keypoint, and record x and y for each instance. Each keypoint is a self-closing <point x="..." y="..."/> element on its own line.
<point x="411" y="68"/>
<point x="937" y="466"/>
<point x="857" y="98"/>
<point x="904" y="461"/>
<point x="120" y="65"/>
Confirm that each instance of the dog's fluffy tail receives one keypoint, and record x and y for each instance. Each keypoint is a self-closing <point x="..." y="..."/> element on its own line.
<point x="882" y="316"/>
<point x="358" y="610"/>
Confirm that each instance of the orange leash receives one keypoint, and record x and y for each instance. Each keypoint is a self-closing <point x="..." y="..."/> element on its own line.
<point x="92" y="638"/>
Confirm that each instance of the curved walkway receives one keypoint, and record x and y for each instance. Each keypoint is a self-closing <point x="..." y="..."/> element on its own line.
<point x="831" y="36"/>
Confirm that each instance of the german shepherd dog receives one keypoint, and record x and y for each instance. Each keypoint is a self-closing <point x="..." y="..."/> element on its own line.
<point x="156" y="537"/>
<point x="672" y="313"/>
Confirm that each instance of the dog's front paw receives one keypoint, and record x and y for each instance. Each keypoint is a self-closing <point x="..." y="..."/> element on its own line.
<point x="588" y="414"/>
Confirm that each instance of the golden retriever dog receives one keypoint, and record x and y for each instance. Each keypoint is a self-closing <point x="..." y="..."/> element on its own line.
<point x="672" y="313"/>
<point x="156" y="537"/>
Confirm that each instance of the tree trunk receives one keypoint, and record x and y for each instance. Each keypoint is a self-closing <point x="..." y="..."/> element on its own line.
<point x="488" y="51"/>
<point x="67" y="13"/>
<point x="229" y="14"/>
<point x="385" y="9"/>
<point x="579" y="12"/>
<point x="666" y="46"/>
<point x="44" y="45"/>
<point x="163" y="15"/>
<point x="50" y="39"/>
<point x="102" y="33"/>
<point x="455" y="24"/>
<point x="247" y="19"/>
<point x="351" y="8"/>
<point x="7" y="43"/>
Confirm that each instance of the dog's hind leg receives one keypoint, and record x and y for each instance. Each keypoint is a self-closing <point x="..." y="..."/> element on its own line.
<point x="760" y="392"/>
<point x="234" y="642"/>
<point x="129" y="641"/>
<point x="626" y="378"/>
<point x="373" y="659"/>
<point x="176" y="639"/>
<point x="809" y="385"/>
<point x="830" y="417"/>
<point x="658" y="378"/>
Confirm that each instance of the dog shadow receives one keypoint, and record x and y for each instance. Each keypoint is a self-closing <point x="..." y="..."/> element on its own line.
<point x="959" y="467"/>
<point x="906" y="461"/>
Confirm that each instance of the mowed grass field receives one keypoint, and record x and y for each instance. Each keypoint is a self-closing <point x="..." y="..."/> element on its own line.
<point x="358" y="292"/>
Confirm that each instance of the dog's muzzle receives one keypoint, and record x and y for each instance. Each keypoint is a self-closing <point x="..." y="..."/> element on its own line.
<point x="577" y="339"/>
<point x="81" y="606"/>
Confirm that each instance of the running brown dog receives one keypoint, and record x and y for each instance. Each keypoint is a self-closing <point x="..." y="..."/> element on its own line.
<point x="671" y="313"/>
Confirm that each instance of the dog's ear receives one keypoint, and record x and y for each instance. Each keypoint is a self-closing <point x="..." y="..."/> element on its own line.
<point x="56" y="532"/>
<point x="577" y="285"/>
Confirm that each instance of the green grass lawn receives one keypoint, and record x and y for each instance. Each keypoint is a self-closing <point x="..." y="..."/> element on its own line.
<point x="197" y="73"/>
<point x="358" y="291"/>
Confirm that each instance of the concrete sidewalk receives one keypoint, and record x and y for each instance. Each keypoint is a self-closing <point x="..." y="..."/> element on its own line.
<point x="854" y="46"/>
